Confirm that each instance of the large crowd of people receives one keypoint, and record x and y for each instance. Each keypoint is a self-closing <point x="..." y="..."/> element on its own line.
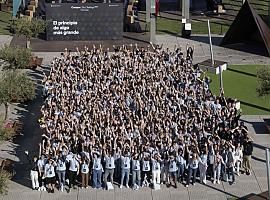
<point x="136" y="117"/>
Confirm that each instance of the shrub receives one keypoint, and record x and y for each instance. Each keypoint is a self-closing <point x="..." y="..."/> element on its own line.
<point x="4" y="178"/>
<point x="27" y="28"/>
<point x="263" y="75"/>
<point x="15" y="57"/>
<point x="16" y="87"/>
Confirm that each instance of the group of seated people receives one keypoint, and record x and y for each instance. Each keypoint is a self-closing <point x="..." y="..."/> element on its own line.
<point x="136" y="117"/>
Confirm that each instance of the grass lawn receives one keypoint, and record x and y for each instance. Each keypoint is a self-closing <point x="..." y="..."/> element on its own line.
<point x="240" y="82"/>
<point x="170" y="26"/>
<point x="5" y="18"/>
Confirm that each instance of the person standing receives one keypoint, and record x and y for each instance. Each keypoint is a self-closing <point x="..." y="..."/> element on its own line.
<point x="181" y="165"/>
<point x="165" y="168"/>
<point x="218" y="161"/>
<point x="211" y="160"/>
<point x="136" y="171"/>
<point x="34" y="171"/>
<point x="172" y="171"/>
<point x="109" y="167"/>
<point x="97" y="170"/>
<point x="248" y="149"/>
<point x="125" y="168"/>
<point x="193" y="168"/>
<point x="49" y="174"/>
<point x="230" y="164"/>
<point x="85" y="172"/>
<point x="238" y="158"/>
<point x="73" y="171"/>
<point x="61" y="172"/>
<point x="146" y="171"/>
<point x="156" y="169"/>
<point x="203" y="166"/>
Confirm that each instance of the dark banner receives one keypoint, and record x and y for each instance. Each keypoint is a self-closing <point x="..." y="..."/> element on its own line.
<point x="84" y="21"/>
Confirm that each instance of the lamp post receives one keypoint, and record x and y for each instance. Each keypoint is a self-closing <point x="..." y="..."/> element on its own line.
<point x="152" y="21"/>
<point x="268" y="170"/>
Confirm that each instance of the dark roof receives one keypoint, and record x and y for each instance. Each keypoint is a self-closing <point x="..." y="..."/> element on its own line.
<point x="248" y="27"/>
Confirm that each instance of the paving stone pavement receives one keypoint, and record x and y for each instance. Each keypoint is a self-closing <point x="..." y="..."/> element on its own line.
<point x="19" y="187"/>
<point x="202" y="49"/>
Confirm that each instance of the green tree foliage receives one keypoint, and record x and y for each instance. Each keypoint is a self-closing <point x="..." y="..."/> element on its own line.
<point x="6" y="133"/>
<point x="27" y="28"/>
<point x="4" y="178"/>
<point x="16" y="87"/>
<point x="263" y="74"/>
<point x="15" y="57"/>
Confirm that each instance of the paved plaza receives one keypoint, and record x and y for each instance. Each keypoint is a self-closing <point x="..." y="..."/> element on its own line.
<point x="20" y="186"/>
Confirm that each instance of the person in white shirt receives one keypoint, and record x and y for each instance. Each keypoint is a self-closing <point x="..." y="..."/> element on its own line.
<point x="41" y="164"/>
<point x="61" y="172"/>
<point x="109" y="166"/>
<point x="238" y="158"/>
<point x="97" y="170"/>
<point x="172" y="171"/>
<point x="49" y="174"/>
<point x="181" y="165"/>
<point x="125" y="166"/>
<point x="203" y="165"/>
<point x="74" y="167"/>
<point x="156" y="169"/>
<point x="218" y="161"/>
<point x="136" y="171"/>
<point x="85" y="172"/>
<point x="146" y="170"/>
<point x="193" y="167"/>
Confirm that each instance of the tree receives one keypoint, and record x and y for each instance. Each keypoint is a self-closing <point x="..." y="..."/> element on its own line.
<point x="27" y="28"/>
<point x="16" y="87"/>
<point x="4" y="177"/>
<point x="263" y="75"/>
<point x="15" y="57"/>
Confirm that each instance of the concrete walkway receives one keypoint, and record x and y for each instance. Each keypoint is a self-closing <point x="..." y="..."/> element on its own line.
<point x="201" y="53"/>
<point x="202" y="49"/>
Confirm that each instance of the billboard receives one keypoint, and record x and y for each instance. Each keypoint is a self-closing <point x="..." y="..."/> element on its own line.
<point x="84" y="21"/>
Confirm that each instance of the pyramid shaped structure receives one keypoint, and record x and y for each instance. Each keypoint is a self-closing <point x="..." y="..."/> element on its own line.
<point x="247" y="27"/>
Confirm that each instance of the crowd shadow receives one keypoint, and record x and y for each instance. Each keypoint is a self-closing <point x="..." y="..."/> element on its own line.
<point x="28" y="114"/>
<point x="259" y="127"/>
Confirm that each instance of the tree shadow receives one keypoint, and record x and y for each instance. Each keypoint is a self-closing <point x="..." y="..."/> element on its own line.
<point x="28" y="114"/>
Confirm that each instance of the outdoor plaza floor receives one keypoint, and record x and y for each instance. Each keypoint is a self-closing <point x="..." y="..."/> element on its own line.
<point x="20" y="185"/>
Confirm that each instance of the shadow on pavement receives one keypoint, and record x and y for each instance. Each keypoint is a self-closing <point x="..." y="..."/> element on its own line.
<point x="29" y="114"/>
